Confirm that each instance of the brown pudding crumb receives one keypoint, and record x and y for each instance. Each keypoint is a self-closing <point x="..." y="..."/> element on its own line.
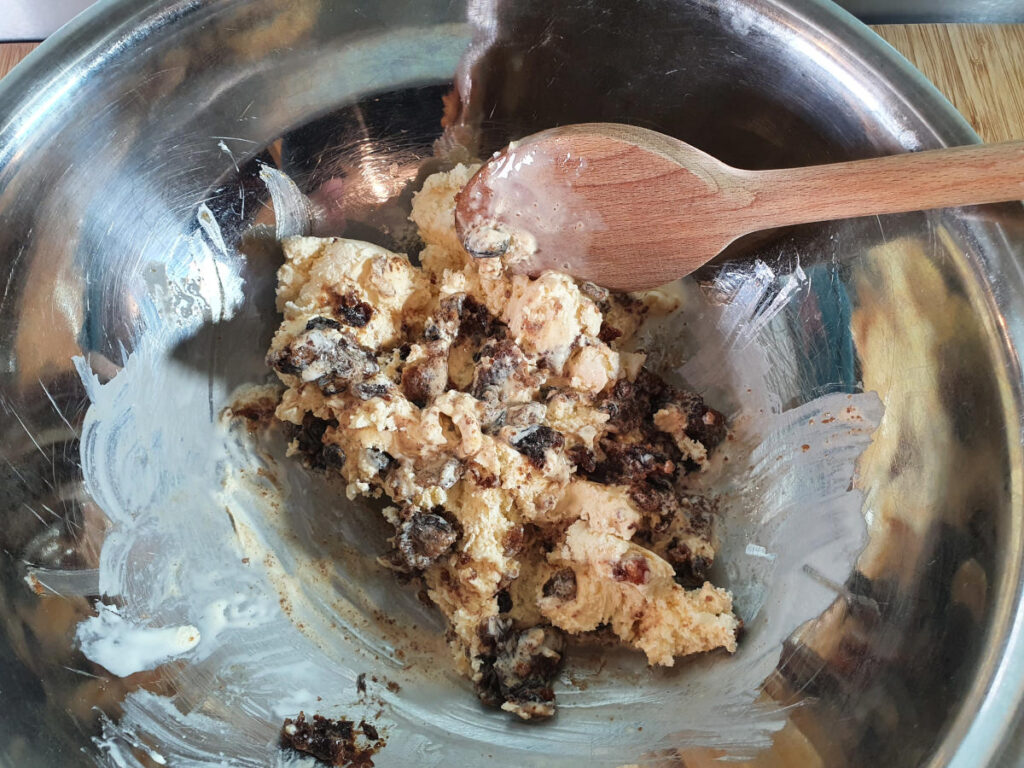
<point x="332" y="742"/>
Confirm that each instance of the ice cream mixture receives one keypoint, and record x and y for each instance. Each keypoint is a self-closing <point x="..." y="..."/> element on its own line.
<point x="539" y="476"/>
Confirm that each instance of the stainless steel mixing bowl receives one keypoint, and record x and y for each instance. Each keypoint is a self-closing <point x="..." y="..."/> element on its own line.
<point x="121" y="125"/>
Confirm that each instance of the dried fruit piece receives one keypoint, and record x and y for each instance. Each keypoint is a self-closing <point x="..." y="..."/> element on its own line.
<point x="322" y="322"/>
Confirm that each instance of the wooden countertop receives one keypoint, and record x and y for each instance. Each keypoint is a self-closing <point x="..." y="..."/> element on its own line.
<point x="979" y="67"/>
<point x="12" y="53"/>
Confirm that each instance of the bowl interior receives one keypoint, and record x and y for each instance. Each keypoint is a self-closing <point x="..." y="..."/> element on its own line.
<point x="141" y="255"/>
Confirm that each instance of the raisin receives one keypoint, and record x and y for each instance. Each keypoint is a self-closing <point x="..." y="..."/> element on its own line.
<point x="290" y="361"/>
<point x="691" y="570"/>
<point x="485" y="242"/>
<point x="369" y="731"/>
<point x="534" y="442"/>
<point x="332" y="456"/>
<point x="561" y="585"/>
<point x="431" y="332"/>
<point x="310" y="436"/>
<point x="331" y="385"/>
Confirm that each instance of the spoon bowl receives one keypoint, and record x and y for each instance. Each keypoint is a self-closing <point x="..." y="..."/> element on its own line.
<point x="630" y="208"/>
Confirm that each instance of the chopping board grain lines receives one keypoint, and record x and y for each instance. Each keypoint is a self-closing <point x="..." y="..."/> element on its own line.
<point x="12" y="53"/>
<point x="979" y="67"/>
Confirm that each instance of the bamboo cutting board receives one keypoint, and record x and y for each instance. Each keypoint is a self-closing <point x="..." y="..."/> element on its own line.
<point x="979" y="67"/>
<point x="12" y="53"/>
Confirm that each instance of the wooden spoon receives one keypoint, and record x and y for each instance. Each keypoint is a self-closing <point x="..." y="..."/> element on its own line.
<point x="629" y="208"/>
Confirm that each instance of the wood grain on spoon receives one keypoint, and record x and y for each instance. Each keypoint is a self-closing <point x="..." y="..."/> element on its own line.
<point x="630" y="208"/>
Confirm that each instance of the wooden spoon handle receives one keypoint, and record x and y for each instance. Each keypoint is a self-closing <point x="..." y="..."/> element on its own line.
<point x="916" y="181"/>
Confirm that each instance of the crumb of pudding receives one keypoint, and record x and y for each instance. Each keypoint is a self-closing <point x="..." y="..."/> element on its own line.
<point x="536" y="468"/>
<point x="255" y="404"/>
<point x="333" y="742"/>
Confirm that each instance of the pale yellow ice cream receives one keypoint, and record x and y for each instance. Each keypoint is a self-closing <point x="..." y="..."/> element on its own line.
<point x="537" y="471"/>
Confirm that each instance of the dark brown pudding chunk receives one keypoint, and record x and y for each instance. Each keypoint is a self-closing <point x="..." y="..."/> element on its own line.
<point x="629" y="463"/>
<point x="562" y="585"/>
<point x="498" y="361"/>
<point x="350" y="310"/>
<point x="332" y="742"/>
<point x="421" y="539"/>
<point x="634" y="569"/>
<point x="326" y="355"/>
<point x="679" y="528"/>
<point x="534" y="442"/>
<point x="309" y="440"/>
<point x="474" y="321"/>
<point x="632" y="405"/>
<point x="425" y="379"/>
<point x="517" y="671"/>
<point x="703" y="424"/>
